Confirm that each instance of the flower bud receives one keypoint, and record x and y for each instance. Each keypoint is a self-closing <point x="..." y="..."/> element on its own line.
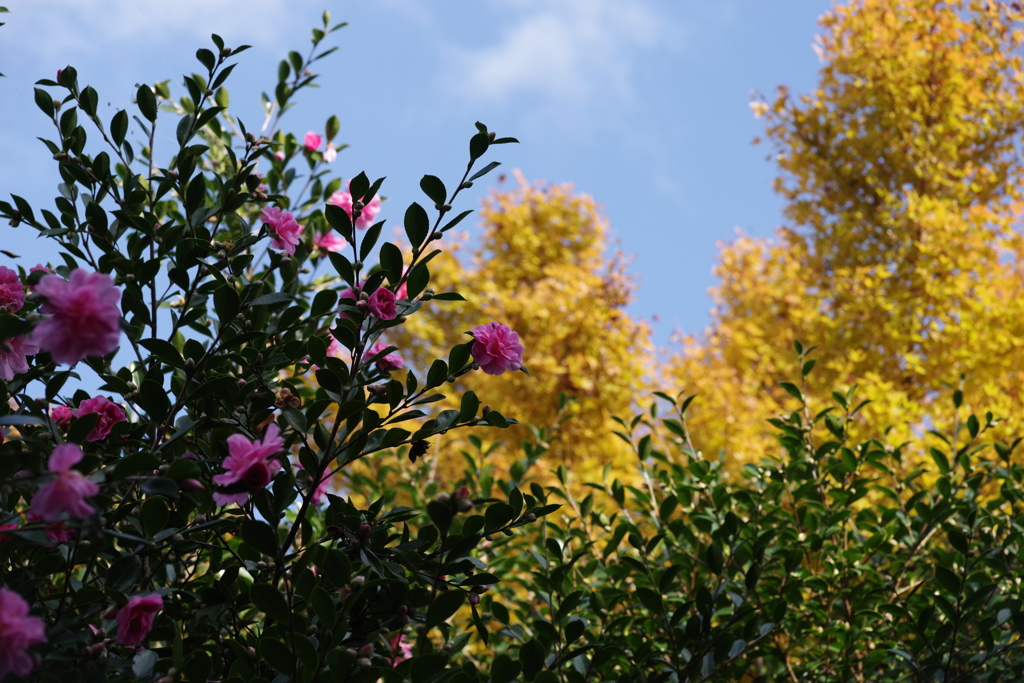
<point x="464" y="505"/>
<point x="225" y="52"/>
<point x="358" y="581"/>
<point x="490" y="136"/>
<point x="357" y="206"/>
<point x="462" y="493"/>
<point x="474" y="366"/>
<point x="507" y="532"/>
<point x="190" y="364"/>
<point x="443" y="498"/>
<point x="191" y="485"/>
<point x="364" y="663"/>
<point x="474" y="599"/>
<point x="530" y="517"/>
<point x="486" y="409"/>
<point x="366" y="650"/>
<point x="468" y="184"/>
<point x="344" y="593"/>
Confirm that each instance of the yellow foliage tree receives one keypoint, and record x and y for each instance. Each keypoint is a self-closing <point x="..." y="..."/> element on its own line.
<point x="540" y="267"/>
<point x="902" y="175"/>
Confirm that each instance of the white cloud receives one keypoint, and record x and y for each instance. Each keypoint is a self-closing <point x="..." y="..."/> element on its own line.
<point x="564" y="50"/>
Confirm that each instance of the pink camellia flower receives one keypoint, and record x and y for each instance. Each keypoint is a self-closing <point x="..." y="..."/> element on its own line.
<point x="279" y="155"/>
<point x="496" y="348"/>
<point x="18" y="632"/>
<point x="59" y="532"/>
<point x="68" y="490"/>
<point x="401" y="649"/>
<point x="382" y="304"/>
<point x="331" y="153"/>
<point x="84" y="317"/>
<point x="391" y="361"/>
<point x="321" y="490"/>
<point x="343" y="199"/>
<point x="135" y="620"/>
<point x="15" y="361"/>
<point x="284" y="229"/>
<point x="62" y="415"/>
<point x="329" y="241"/>
<point x="312" y="141"/>
<point x="12" y="292"/>
<point x="248" y="466"/>
<point x="109" y="412"/>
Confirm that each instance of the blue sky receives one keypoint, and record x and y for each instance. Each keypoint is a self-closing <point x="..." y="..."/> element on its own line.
<point x="642" y="103"/>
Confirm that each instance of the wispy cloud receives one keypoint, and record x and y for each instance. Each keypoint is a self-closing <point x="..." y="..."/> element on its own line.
<point x="564" y="50"/>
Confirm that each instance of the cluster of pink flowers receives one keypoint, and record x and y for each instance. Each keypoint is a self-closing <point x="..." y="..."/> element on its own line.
<point x="84" y="319"/>
<point x="19" y="631"/>
<point x="250" y="465"/>
<point x="391" y="361"/>
<point x="343" y="199"/>
<point x="109" y="413"/>
<point x="496" y="348"/>
<point x="12" y="291"/>
<point x="65" y="493"/>
<point x="285" y="231"/>
<point x="135" y="620"/>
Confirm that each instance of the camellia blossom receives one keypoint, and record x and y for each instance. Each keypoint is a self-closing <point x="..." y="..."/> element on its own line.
<point x="312" y="141"/>
<point x="391" y="361"/>
<point x="62" y="415"/>
<point x="248" y="466"/>
<point x="343" y="199"/>
<point x="59" y="532"/>
<point x="6" y="537"/>
<point x="329" y="241"/>
<point x="382" y="304"/>
<point x="68" y="490"/>
<point x="84" y="317"/>
<point x="19" y="631"/>
<point x="12" y="291"/>
<point x="401" y="649"/>
<point x="135" y="620"/>
<point x="497" y="348"/>
<point x="285" y="231"/>
<point x="15" y="361"/>
<point x="321" y="489"/>
<point x="331" y="153"/>
<point x="109" y="412"/>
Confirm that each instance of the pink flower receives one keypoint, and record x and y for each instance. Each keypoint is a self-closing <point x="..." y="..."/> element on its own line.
<point x="12" y="292"/>
<point x="321" y="489"/>
<point x="15" y="361"/>
<point x="312" y="141"/>
<point x="279" y="155"/>
<point x="496" y="348"/>
<point x="135" y="620"/>
<point x="248" y="466"/>
<point x="62" y="416"/>
<point x="59" y="532"/>
<point x="110" y="413"/>
<point x="343" y="198"/>
<point x="18" y="632"/>
<point x="401" y="649"/>
<point x="329" y="241"/>
<point x="331" y="153"/>
<point x="387" y="363"/>
<point x="68" y="490"/>
<point x="84" y="317"/>
<point x="284" y="229"/>
<point x="382" y="304"/>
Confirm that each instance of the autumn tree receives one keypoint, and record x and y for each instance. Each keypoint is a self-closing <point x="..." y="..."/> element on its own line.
<point x="901" y="259"/>
<point x="540" y="265"/>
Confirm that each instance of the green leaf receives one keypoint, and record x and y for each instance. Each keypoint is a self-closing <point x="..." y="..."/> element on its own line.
<point x="391" y="262"/>
<point x="947" y="580"/>
<point x="792" y="390"/>
<point x="323" y="302"/>
<point x="146" y="101"/>
<point x="154" y="515"/>
<point x="275" y="653"/>
<point x="81" y="427"/>
<point x="444" y="607"/>
<point x="44" y="102"/>
<point x="941" y="461"/>
<point x="271" y="299"/>
<point x="417" y="225"/>
<point x="504" y="669"/>
<point x="323" y="605"/>
<point x="270" y="601"/>
<point x="123" y="573"/>
<point x="260" y="536"/>
<point x="531" y="656"/>
<point x="485" y="170"/>
<point x="119" y="127"/>
<point x="434" y="188"/>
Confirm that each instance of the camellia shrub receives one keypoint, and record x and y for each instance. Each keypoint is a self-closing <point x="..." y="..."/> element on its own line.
<point x="180" y="386"/>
